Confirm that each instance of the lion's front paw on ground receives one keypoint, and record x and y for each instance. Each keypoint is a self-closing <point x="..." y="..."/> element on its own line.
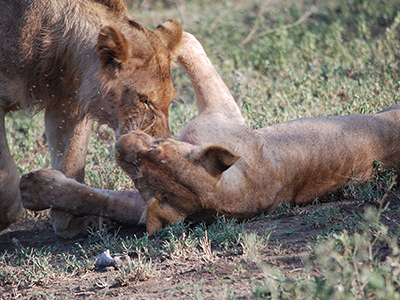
<point x="39" y="189"/>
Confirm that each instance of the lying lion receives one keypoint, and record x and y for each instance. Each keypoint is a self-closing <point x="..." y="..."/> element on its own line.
<point x="77" y="60"/>
<point x="221" y="166"/>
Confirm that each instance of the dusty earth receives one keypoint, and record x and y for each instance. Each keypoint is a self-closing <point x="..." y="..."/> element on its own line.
<point x="227" y="275"/>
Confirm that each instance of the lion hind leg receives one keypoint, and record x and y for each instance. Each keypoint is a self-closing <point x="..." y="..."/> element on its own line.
<point x="49" y="188"/>
<point x="72" y="202"/>
<point x="212" y="94"/>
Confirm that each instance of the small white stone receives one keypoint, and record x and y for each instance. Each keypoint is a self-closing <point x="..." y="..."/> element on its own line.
<point x="104" y="259"/>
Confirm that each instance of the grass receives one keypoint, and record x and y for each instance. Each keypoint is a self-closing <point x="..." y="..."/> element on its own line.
<point x="344" y="266"/>
<point x="342" y="58"/>
<point x="373" y="191"/>
<point x="134" y="271"/>
<point x="27" y="267"/>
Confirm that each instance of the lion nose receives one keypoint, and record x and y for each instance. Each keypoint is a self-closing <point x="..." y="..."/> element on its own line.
<point x="131" y="144"/>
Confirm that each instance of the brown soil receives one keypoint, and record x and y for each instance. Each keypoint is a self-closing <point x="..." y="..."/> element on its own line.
<point x="225" y="276"/>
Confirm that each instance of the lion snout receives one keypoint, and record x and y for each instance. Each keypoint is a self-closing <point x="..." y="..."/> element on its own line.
<point x="131" y="145"/>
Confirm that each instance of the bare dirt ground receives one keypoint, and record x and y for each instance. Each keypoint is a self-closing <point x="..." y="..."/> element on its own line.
<point x="226" y="276"/>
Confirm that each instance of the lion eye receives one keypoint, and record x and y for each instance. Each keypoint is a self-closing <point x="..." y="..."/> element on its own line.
<point x="144" y="100"/>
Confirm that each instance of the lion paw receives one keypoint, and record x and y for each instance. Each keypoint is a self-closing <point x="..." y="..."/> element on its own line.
<point x="69" y="226"/>
<point x="41" y="188"/>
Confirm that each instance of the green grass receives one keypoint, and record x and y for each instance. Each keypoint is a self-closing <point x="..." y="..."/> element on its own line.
<point x="344" y="266"/>
<point x="342" y="59"/>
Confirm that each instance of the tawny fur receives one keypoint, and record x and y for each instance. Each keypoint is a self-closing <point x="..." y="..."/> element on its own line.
<point x="78" y="60"/>
<point x="221" y="166"/>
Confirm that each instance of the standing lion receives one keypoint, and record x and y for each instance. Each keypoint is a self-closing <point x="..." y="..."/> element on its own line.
<point x="77" y="60"/>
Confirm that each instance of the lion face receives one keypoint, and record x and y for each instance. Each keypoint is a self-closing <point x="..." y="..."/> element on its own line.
<point x="137" y="86"/>
<point x="175" y="178"/>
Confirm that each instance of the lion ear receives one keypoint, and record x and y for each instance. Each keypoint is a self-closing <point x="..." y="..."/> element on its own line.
<point x="112" y="49"/>
<point x="170" y="34"/>
<point x="216" y="159"/>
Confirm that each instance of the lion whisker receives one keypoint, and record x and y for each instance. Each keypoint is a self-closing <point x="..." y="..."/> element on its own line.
<point x="144" y="118"/>
<point x="151" y="125"/>
<point x="131" y="125"/>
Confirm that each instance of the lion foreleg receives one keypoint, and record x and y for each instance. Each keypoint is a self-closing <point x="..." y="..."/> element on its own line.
<point x="10" y="199"/>
<point x="68" y="136"/>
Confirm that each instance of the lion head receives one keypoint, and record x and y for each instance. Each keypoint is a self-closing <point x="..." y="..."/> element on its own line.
<point x="136" y="83"/>
<point x="176" y="179"/>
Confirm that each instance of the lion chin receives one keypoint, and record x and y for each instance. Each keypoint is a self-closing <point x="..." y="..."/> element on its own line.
<point x="219" y="166"/>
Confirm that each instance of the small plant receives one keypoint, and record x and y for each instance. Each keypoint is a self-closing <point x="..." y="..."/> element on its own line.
<point x="75" y="265"/>
<point x="373" y="190"/>
<point x="320" y="216"/>
<point x="252" y="245"/>
<point x="283" y="209"/>
<point x="205" y="245"/>
<point x="193" y="291"/>
<point x="225" y="234"/>
<point x="134" y="270"/>
<point x="102" y="239"/>
<point x="177" y="240"/>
